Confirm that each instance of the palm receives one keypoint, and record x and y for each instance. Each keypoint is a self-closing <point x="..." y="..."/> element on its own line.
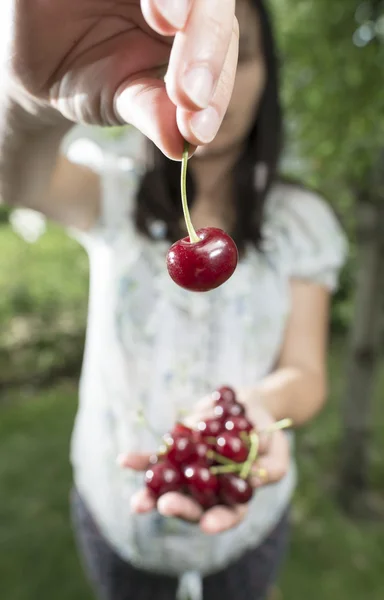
<point x="103" y="62"/>
<point x="86" y="50"/>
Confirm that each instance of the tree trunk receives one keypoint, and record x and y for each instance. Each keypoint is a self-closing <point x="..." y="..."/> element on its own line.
<point x="362" y="357"/>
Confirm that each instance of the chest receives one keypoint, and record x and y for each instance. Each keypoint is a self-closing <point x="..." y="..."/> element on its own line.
<point x="235" y="331"/>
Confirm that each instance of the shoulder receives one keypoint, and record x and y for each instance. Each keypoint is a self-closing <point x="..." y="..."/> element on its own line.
<point x="292" y="203"/>
<point x="304" y="228"/>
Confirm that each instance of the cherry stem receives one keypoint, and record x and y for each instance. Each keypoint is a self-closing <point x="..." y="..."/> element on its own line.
<point x="246" y="469"/>
<point x="210" y="440"/>
<point x="193" y="237"/>
<point x="283" y="424"/>
<point x="245" y="437"/>
<point x="234" y="468"/>
<point x="220" y="459"/>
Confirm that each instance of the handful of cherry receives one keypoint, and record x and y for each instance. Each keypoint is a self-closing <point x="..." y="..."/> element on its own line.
<point x="211" y="463"/>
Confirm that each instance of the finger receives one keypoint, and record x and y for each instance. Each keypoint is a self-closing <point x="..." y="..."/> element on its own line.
<point x="174" y="504"/>
<point x="144" y="103"/>
<point x="221" y="518"/>
<point x="199" y="53"/>
<point x="202" y="126"/>
<point x="166" y="16"/>
<point x="138" y="462"/>
<point x="202" y="410"/>
<point x="272" y="466"/>
<point x="143" y="501"/>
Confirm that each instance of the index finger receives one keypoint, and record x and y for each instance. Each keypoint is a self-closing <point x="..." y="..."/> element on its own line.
<point x="222" y="518"/>
<point x="199" y="53"/>
<point x="137" y="462"/>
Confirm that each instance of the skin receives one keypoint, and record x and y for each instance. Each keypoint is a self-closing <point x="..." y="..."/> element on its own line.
<point x="297" y="386"/>
<point x="103" y="62"/>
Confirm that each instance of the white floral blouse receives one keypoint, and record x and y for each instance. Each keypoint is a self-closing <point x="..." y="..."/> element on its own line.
<point x="154" y="349"/>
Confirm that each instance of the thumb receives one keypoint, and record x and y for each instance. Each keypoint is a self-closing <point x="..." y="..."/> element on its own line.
<point x="144" y="103"/>
<point x="137" y="462"/>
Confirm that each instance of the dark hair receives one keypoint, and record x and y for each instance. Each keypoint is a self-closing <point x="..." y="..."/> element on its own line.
<point x="159" y="192"/>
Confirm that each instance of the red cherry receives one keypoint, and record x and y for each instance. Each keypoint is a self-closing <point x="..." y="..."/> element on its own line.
<point x="210" y="427"/>
<point x="180" y="428"/>
<point x="203" y="265"/>
<point x="162" y="478"/>
<point x="234" y="489"/>
<point x="202" y="485"/>
<point x="202" y="449"/>
<point x="225" y="393"/>
<point x="238" y="424"/>
<point x="232" y="447"/>
<point x="224" y="409"/>
<point x="180" y="448"/>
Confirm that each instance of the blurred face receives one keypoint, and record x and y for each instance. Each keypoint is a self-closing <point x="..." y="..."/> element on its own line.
<point x="249" y="84"/>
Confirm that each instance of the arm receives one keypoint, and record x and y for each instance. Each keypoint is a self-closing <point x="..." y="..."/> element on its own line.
<point x="297" y="388"/>
<point x="34" y="175"/>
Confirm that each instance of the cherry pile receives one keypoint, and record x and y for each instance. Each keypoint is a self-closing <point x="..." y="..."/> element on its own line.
<point x="211" y="463"/>
<point x="205" y="259"/>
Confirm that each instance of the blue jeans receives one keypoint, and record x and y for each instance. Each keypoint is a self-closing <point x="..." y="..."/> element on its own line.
<point x="249" y="578"/>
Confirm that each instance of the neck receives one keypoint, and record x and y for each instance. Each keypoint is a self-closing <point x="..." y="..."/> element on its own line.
<point x="213" y="173"/>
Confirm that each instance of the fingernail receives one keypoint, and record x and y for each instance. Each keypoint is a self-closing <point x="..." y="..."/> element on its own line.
<point x="198" y="85"/>
<point x="174" y="11"/>
<point x="205" y="124"/>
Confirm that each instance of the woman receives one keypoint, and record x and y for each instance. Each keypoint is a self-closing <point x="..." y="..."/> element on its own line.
<point x="154" y="350"/>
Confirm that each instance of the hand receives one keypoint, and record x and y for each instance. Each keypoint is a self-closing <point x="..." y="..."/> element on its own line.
<point x="270" y="467"/>
<point x="103" y="62"/>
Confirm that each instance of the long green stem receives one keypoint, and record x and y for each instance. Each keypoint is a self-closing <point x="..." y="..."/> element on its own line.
<point x="193" y="237"/>
<point x="235" y="468"/>
<point x="283" y="424"/>
<point x="218" y="458"/>
<point x="251" y="456"/>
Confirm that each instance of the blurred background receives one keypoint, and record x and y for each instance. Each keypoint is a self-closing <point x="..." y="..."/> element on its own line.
<point x="332" y="54"/>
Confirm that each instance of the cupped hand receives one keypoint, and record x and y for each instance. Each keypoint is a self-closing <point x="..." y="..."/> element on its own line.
<point x="271" y="466"/>
<point x="103" y="62"/>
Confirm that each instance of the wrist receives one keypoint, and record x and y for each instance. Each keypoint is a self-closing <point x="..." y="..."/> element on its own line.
<point x="25" y="111"/>
<point x="255" y="399"/>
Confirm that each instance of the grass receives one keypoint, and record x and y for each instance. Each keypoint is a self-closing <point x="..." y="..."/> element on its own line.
<point x="331" y="557"/>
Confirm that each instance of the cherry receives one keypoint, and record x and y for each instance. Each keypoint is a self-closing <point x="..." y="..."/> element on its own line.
<point x="202" y="449"/>
<point x="224" y="409"/>
<point x="162" y="478"/>
<point x="180" y="448"/>
<point x="210" y="427"/>
<point x="238" y="424"/>
<point x="180" y="428"/>
<point x="225" y="393"/>
<point x="202" y="485"/>
<point x="203" y="265"/>
<point x="231" y="447"/>
<point x="234" y="489"/>
<point x="205" y="259"/>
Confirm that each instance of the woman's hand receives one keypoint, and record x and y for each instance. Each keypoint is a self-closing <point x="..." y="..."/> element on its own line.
<point x="270" y="467"/>
<point x="103" y="62"/>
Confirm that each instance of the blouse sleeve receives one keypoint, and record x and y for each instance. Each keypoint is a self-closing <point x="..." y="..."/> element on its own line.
<point x="119" y="168"/>
<point x="308" y="236"/>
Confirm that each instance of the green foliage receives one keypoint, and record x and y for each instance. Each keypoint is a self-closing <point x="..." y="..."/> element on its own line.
<point x="43" y="307"/>
<point x="333" y="89"/>
<point x="46" y="282"/>
<point x="334" y="102"/>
